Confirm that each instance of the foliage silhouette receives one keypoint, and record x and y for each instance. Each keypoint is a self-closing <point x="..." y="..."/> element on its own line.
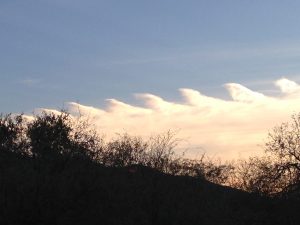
<point x="277" y="173"/>
<point x="55" y="169"/>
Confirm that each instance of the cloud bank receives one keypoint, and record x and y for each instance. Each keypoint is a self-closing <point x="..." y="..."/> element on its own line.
<point x="222" y="128"/>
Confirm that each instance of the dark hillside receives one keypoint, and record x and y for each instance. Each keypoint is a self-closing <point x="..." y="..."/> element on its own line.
<point x="54" y="171"/>
<point x="73" y="191"/>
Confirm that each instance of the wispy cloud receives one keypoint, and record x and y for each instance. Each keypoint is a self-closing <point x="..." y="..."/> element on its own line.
<point x="30" y="82"/>
<point x="223" y="128"/>
<point x="210" y="54"/>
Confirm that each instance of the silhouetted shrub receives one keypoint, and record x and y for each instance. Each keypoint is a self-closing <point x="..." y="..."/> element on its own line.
<point x="125" y="151"/>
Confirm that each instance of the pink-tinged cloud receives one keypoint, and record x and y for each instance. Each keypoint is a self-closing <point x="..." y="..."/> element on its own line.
<point x="226" y="129"/>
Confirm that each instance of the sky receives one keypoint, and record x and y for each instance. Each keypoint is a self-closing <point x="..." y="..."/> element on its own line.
<point x="222" y="73"/>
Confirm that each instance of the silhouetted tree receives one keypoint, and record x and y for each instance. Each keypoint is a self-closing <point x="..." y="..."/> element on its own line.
<point x="283" y="146"/>
<point x="54" y="136"/>
<point x="12" y="133"/>
<point x="49" y="135"/>
<point x="278" y="171"/>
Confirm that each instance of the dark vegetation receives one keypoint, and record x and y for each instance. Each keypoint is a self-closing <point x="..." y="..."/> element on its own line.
<point x="57" y="170"/>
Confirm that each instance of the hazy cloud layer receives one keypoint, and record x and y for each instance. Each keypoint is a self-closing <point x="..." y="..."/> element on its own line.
<point x="221" y="128"/>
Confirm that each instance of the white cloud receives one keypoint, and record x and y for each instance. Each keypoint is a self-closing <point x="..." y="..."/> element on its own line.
<point x="227" y="129"/>
<point x="287" y="86"/>
<point x="240" y="93"/>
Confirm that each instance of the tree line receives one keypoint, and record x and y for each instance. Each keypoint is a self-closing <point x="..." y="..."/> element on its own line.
<point x="57" y="138"/>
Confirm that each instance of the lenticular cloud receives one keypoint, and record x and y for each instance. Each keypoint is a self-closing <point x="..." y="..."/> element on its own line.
<point x="222" y="128"/>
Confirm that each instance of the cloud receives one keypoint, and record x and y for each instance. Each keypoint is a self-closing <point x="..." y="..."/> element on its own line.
<point x="223" y="128"/>
<point x="240" y="93"/>
<point x="30" y="82"/>
<point x="288" y="86"/>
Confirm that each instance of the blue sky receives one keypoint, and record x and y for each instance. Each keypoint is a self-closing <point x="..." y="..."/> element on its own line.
<point x="54" y="51"/>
